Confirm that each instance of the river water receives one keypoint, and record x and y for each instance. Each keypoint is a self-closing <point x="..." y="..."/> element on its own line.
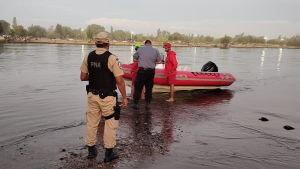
<point x="41" y="92"/>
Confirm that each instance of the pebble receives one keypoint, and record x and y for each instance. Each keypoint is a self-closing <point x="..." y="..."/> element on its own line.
<point x="288" y="127"/>
<point x="263" y="119"/>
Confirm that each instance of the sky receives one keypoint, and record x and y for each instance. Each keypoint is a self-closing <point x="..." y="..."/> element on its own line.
<point x="216" y="18"/>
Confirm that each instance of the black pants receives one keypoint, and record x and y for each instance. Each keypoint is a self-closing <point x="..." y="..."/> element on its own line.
<point x="144" y="78"/>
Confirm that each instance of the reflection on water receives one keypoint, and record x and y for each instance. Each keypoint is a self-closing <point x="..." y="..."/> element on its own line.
<point x="82" y="52"/>
<point x="279" y="59"/>
<point x="262" y="59"/>
<point x="145" y="134"/>
<point x="195" y="53"/>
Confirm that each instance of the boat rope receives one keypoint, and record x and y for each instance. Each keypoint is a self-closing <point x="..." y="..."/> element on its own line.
<point x="205" y="74"/>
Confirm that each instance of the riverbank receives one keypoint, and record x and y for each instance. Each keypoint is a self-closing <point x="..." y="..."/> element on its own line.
<point x="127" y="43"/>
<point x="2" y="40"/>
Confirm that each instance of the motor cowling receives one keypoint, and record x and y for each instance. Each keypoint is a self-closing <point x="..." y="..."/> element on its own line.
<point x="209" y="67"/>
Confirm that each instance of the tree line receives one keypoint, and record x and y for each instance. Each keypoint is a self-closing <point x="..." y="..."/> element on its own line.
<point x="65" y="32"/>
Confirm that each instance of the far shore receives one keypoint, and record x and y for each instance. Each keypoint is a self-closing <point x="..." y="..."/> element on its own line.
<point x="128" y="43"/>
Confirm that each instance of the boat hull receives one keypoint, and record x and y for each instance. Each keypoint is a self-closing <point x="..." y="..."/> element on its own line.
<point x="187" y="78"/>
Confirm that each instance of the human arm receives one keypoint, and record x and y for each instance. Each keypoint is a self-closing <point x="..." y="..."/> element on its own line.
<point x="121" y="86"/>
<point x="158" y="58"/>
<point x="84" y="76"/>
<point x="136" y="55"/>
<point x="135" y="60"/>
<point x="173" y="60"/>
<point x="116" y="68"/>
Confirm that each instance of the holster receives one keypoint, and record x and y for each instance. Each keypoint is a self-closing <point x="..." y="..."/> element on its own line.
<point x="87" y="87"/>
<point x="102" y="95"/>
<point x="117" y="109"/>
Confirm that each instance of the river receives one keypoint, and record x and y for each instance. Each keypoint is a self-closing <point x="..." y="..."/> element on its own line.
<point x="41" y="93"/>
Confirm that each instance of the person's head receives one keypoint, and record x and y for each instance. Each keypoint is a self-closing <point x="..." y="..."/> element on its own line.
<point x="102" y="40"/>
<point x="137" y="46"/>
<point x="167" y="47"/>
<point x="148" y="42"/>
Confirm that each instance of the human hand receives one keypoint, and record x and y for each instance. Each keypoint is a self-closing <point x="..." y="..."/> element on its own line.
<point x="171" y="71"/>
<point x="124" y="102"/>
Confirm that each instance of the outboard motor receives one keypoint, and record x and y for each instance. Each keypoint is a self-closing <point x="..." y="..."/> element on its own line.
<point x="209" y="67"/>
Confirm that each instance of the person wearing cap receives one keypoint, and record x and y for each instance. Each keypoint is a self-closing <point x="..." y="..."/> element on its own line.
<point x="147" y="58"/>
<point x="170" y="69"/>
<point x="104" y="72"/>
<point x="134" y="70"/>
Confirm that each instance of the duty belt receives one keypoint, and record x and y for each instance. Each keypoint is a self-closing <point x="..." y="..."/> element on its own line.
<point x="96" y="92"/>
<point x="142" y="68"/>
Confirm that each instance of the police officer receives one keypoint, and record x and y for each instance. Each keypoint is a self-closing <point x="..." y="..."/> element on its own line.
<point x="104" y="72"/>
<point x="147" y="58"/>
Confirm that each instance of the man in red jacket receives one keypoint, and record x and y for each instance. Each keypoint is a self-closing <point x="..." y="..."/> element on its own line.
<point x="170" y="69"/>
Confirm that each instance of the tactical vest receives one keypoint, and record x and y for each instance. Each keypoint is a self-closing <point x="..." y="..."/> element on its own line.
<point x="100" y="77"/>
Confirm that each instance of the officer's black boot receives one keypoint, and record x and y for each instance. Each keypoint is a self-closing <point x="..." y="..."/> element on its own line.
<point x="110" y="155"/>
<point x="92" y="152"/>
<point x="136" y="105"/>
<point x="147" y="105"/>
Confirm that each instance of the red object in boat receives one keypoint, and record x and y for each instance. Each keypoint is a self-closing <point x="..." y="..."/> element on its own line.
<point x="186" y="78"/>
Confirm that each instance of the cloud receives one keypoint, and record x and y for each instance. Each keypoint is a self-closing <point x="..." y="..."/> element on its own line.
<point x="151" y="27"/>
<point x="120" y="22"/>
<point x="207" y="27"/>
<point x="267" y="22"/>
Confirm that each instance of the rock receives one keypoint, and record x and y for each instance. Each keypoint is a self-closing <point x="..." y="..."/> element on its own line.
<point x="263" y="119"/>
<point x="288" y="127"/>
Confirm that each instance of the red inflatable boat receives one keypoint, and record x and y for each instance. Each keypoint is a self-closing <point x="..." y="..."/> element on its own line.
<point x="185" y="79"/>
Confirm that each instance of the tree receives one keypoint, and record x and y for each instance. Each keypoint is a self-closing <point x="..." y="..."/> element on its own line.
<point x="201" y="38"/>
<point x="93" y="30"/>
<point x="19" y="30"/>
<point x="279" y="37"/>
<point x="225" y="40"/>
<point x="50" y="32"/>
<point x="5" y="27"/>
<point x="12" y="32"/>
<point x="58" y="31"/>
<point x="209" y="39"/>
<point x="37" y="31"/>
<point x="165" y="34"/>
<point x="1" y="28"/>
<point x="120" y="35"/>
<point x="294" y="41"/>
<point x="68" y="32"/>
<point x="158" y="33"/>
<point x="111" y="32"/>
<point x="15" y="22"/>
<point x="176" y="36"/>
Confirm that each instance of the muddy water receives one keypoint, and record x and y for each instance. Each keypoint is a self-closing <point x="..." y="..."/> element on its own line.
<point x="41" y="97"/>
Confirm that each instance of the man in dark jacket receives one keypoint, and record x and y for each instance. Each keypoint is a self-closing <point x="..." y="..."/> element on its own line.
<point x="147" y="58"/>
